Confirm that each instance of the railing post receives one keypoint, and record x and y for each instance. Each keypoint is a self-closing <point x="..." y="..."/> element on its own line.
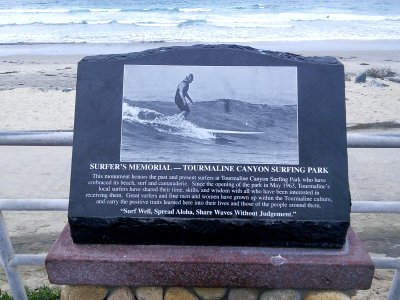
<point x="7" y="256"/>
<point x="394" y="292"/>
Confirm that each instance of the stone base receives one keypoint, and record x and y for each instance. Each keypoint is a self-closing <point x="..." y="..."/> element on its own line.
<point x="188" y="266"/>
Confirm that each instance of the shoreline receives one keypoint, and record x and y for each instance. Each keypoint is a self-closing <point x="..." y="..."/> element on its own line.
<point x="118" y="48"/>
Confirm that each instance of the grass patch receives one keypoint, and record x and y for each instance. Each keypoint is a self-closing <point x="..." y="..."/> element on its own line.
<point x="40" y="293"/>
<point x="5" y="296"/>
<point x="380" y="73"/>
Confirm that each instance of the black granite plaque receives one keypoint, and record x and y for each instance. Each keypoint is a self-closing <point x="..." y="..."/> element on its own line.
<point x="210" y="145"/>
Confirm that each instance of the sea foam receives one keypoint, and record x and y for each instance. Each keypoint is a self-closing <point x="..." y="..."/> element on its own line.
<point x="174" y="125"/>
<point x="209" y="21"/>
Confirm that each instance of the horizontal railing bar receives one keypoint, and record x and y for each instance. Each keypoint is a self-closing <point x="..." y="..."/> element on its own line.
<point x="64" y="138"/>
<point x="386" y="263"/>
<point x="39" y="260"/>
<point x="29" y="260"/>
<point x="62" y="204"/>
<point x="34" y="204"/>
<point x="36" y="138"/>
<point x="373" y="140"/>
<point x="375" y="207"/>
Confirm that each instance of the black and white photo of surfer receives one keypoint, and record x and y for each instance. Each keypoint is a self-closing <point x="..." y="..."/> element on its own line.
<point x="182" y="96"/>
<point x="210" y="114"/>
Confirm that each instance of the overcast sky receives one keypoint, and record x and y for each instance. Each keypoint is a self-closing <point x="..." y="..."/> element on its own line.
<point x="267" y="85"/>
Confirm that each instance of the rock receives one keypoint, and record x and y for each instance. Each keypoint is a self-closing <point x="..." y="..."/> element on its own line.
<point x="243" y="294"/>
<point x="149" y="293"/>
<point x="121" y="293"/>
<point x="210" y="293"/>
<point x="279" y="295"/>
<point x="179" y="294"/>
<point x="377" y="84"/>
<point x="361" y="78"/>
<point x="75" y="292"/>
<point x="347" y="77"/>
<point x="67" y="90"/>
<point x="394" y="79"/>
<point x="63" y="294"/>
<point x="350" y="293"/>
<point x="326" y="295"/>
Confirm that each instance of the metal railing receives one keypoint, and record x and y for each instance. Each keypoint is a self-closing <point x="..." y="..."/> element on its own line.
<point x="64" y="138"/>
<point x="10" y="261"/>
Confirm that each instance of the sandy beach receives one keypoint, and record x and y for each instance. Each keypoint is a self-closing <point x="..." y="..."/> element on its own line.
<point x="37" y="92"/>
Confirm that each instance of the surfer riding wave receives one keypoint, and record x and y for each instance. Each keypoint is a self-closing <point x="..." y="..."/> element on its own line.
<point x="182" y="94"/>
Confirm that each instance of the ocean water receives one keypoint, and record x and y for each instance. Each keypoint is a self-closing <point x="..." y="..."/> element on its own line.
<point x="223" y="131"/>
<point x="68" y="21"/>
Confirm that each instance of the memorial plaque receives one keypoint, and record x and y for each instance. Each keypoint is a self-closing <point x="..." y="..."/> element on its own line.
<point x="210" y="145"/>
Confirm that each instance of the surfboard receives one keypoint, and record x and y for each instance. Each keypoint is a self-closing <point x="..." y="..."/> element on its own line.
<point x="234" y="131"/>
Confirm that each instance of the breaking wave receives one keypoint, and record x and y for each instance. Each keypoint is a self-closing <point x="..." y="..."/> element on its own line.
<point x="174" y="125"/>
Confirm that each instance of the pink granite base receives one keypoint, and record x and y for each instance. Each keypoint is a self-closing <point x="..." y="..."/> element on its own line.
<point x="162" y="265"/>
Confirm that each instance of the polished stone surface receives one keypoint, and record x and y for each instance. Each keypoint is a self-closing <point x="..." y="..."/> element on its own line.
<point x="317" y="214"/>
<point x="162" y="265"/>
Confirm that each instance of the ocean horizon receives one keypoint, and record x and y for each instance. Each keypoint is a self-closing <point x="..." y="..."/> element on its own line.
<point x="229" y="21"/>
